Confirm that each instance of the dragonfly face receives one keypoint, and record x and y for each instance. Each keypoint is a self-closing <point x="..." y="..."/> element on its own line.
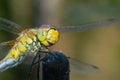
<point x="34" y="40"/>
<point x="47" y="35"/>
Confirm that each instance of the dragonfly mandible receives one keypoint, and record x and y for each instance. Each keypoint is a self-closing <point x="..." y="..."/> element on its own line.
<point x="32" y="40"/>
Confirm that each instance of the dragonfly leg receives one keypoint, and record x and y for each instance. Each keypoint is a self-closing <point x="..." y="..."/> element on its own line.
<point x="38" y="61"/>
<point x="38" y="69"/>
<point x="42" y="55"/>
<point x="31" y="66"/>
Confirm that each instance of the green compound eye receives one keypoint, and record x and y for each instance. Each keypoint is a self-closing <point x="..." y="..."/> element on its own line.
<point x="42" y="35"/>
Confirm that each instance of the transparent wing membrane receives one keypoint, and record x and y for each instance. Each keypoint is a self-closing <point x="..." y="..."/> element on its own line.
<point x="4" y="48"/>
<point x="9" y="26"/>
<point x="77" y="67"/>
<point x="81" y="67"/>
<point x="87" y="26"/>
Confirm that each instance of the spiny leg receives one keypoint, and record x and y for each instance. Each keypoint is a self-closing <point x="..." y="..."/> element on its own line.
<point x="39" y="63"/>
<point x="34" y="63"/>
<point x="31" y="66"/>
<point x="38" y="68"/>
<point x="41" y="58"/>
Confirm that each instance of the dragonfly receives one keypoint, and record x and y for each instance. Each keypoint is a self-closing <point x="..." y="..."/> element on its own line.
<point x="36" y="41"/>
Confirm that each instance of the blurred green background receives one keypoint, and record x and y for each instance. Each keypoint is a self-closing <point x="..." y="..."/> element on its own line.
<point x="100" y="46"/>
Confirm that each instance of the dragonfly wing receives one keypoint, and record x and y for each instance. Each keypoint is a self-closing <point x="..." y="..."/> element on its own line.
<point x="81" y="67"/>
<point x="5" y="48"/>
<point x="9" y="26"/>
<point x="87" y="26"/>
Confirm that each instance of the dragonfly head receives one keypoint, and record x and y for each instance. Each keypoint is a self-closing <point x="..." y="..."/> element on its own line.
<point x="47" y="35"/>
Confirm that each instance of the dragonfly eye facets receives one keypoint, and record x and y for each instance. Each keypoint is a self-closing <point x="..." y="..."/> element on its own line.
<point x="53" y="36"/>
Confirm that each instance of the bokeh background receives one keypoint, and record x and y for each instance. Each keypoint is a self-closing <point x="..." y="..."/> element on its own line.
<point x="98" y="46"/>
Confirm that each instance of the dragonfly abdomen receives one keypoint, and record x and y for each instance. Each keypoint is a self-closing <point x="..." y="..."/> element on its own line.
<point x="9" y="63"/>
